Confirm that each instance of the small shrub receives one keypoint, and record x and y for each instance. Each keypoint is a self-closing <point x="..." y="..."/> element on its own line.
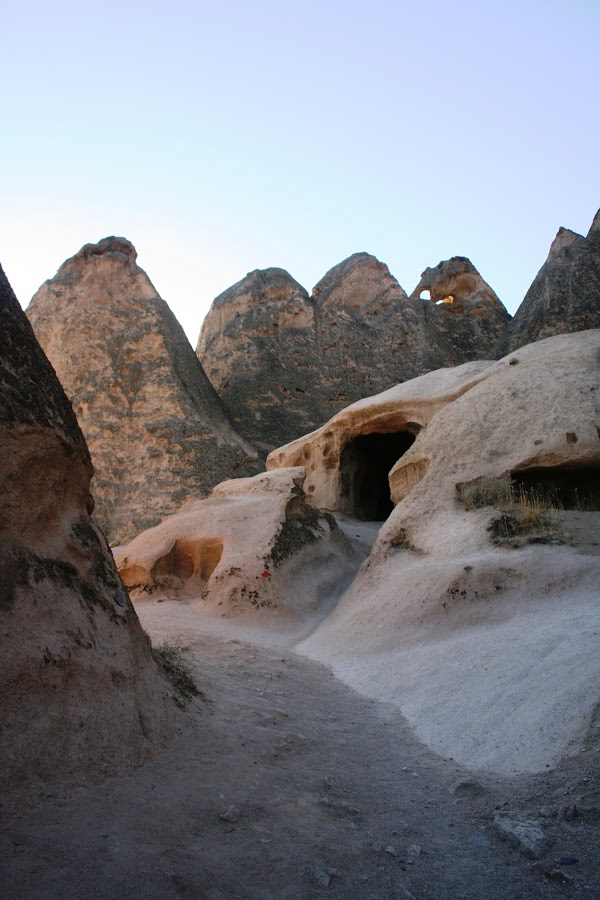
<point x="170" y="657"/>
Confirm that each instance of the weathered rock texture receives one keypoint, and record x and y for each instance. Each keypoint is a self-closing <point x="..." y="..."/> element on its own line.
<point x="565" y="295"/>
<point x="489" y="645"/>
<point x="80" y="694"/>
<point x="284" y="361"/>
<point x="155" y="427"/>
<point x="348" y="460"/>
<point x="253" y="547"/>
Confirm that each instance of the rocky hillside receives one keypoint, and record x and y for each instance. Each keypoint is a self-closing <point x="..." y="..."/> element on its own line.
<point x="156" y="429"/>
<point x="284" y="362"/>
<point x="80" y="694"/>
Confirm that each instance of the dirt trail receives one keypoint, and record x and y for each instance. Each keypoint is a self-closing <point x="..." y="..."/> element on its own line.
<point x="335" y="795"/>
<point x="336" y="799"/>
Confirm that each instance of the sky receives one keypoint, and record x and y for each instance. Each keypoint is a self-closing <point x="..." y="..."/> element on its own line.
<point x="222" y="138"/>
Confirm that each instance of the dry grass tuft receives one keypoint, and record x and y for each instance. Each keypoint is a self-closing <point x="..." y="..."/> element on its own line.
<point x="171" y="658"/>
<point x="530" y="511"/>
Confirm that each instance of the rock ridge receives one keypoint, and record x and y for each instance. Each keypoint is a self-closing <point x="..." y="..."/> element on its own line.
<point x="284" y="362"/>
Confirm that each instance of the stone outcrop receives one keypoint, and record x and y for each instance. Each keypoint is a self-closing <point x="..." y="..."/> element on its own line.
<point x="565" y="294"/>
<point x="155" y="427"/>
<point x="254" y="547"/>
<point x="348" y="460"/>
<point x="80" y="694"/>
<point x="477" y="612"/>
<point x="284" y="361"/>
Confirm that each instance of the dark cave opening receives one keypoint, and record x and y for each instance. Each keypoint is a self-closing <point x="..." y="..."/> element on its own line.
<point x="577" y="488"/>
<point x="365" y="464"/>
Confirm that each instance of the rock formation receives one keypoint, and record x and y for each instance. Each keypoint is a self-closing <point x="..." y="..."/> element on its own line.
<point x="155" y="427"/>
<point x="80" y="694"/>
<point x="477" y="611"/>
<point x="348" y="460"/>
<point x="284" y="362"/>
<point x="565" y="294"/>
<point x="253" y="546"/>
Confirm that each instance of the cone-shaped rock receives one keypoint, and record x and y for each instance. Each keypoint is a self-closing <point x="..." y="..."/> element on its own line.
<point x="285" y="362"/>
<point x="80" y="694"/>
<point x="565" y="294"/>
<point x="156" y="429"/>
<point x="257" y="347"/>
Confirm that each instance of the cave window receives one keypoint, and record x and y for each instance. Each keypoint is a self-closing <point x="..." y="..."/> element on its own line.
<point x="425" y="295"/>
<point x="563" y="488"/>
<point x="365" y="465"/>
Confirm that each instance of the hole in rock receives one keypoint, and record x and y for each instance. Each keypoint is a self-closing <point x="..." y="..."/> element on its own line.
<point x="577" y="489"/>
<point x="365" y="464"/>
<point x="425" y="295"/>
<point x="190" y="561"/>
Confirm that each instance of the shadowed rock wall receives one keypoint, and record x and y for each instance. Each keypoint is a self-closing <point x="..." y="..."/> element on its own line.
<point x="80" y="694"/>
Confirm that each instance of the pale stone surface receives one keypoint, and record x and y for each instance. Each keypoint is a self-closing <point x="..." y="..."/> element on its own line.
<point x="285" y="361"/>
<point x="333" y="482"/>
<point x="155" y="427"/>
<point x="254" y="547"/>
<point x="522" y="834"/>
<point x="80" y="694"/>
<point x="491" y="652"/>
<point x="565" y="294"/>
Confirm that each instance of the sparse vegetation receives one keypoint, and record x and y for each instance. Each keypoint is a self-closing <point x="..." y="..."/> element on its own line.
<point x="525" y="511"/>
<point x="485" y="491"/>
<point x="171" y="658"/>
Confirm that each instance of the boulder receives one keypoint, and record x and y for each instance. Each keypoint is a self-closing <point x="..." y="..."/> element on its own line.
<point x="284" y="362"/>
<point x="565" y="294"/>
<point x="254" y="548"/>
<point x="80" y="694"/>
<point x="155" y="427"/>
<point x="477" y="610"/>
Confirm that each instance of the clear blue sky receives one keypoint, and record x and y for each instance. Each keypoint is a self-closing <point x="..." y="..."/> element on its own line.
<point x="224" y="137"/>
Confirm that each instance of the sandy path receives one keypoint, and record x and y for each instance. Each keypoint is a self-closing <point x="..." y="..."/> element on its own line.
<point x="332" y="788"/>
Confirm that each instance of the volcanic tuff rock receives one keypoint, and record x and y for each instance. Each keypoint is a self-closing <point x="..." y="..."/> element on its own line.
<point x="80" y="694"/>
<point x="348" y="459"/>
<point x="284" y="362"/>
<point x="480" y="619"/>
<point x="565" y="294"/>
<point x="156" y="429"/>
<point x="254" y="547"/>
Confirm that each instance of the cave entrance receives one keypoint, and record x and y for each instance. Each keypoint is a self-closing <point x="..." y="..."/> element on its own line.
<point x="562" y="488"/>
<point x="365" y="464"/>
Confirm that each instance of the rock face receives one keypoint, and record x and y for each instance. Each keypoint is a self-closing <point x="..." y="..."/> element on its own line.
<point x="565" y="295"/>
<point x="348" y="460"/>
<point x="155" y="427"/>
<point x="80" y="693"/>
<point x="285" y="362"/>
<point x="477" y="613"/>
<point x="254" y="547"/>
